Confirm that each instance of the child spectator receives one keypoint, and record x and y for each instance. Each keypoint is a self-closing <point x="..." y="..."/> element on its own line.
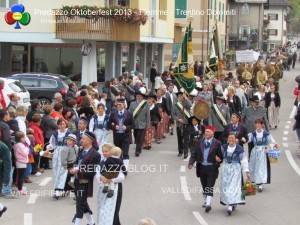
<point x="21" y="154"/>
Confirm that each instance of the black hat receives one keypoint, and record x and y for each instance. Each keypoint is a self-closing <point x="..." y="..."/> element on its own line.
<point x="84" y="119"/>
<point x="90" y="135"/>
<point x="220" y="96"/>
<point x="237" y="114"/>
<point x="151" y="95"/>
<point x="255" y="98"/>
<point x="83" y="87"/>
<point x="121" y="100"/>
<point x="139" y="93"/>
<point x="191" y="119"/>
<point x="179" y="93"/>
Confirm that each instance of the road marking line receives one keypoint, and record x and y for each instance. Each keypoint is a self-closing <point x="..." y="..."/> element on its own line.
<point x="182" y="169"/>
<point x="293" y="112"/>
<point x="285" y="132"/>
<point x="285" y="145"/>
<point x="32" y="198"/>
<point x="184" y="188"/>
<point x="284" y="138"/>
<point x="200" y="218"/>
<point x="287" y="127"/>
<point x="45" y="181"/>
<point x="292" y="161"/>
<point x="27" y="218"/>
<point x="289" y="122"/>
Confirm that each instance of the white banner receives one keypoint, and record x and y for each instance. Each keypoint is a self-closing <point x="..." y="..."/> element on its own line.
<point x="246" y="56"/>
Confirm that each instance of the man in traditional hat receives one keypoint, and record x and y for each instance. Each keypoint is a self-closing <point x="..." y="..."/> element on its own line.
<point x="121" y="122"/>
<point x="250" y="114"/>
<point x="237" y="128"/>
<point x="181" y="114"/>
<point x="82" y="128"/>
<point x="219" y="116"/>
<point x="141" y="116"/>
<point x="208" y="156"/>
<point x="87" y="161"/>
<point x="173" y="97"/>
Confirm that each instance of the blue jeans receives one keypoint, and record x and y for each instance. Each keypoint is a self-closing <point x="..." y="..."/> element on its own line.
<point x="6" y="190"/>
<point x="28" y="171"/>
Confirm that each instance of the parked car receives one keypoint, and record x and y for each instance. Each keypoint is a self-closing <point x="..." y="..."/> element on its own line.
<point x="43" y="86"/>
<point x="13" y="86"/>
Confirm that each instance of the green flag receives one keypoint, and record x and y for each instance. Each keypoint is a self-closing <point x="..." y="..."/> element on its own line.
<point x="184" y="71"/>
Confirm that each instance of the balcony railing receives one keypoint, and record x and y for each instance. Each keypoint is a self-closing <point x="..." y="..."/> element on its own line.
<point x="104" y="29"/>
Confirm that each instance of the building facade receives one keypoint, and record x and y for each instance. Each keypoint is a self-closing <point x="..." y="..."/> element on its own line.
<point x="53" y="43"/>
<point x="204" y="14"/>
<point x="245" y="31"/>
<point x="276" y="23"/>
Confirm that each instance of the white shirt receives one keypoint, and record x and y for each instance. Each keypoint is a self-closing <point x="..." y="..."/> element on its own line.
<point x="92" y="121"/>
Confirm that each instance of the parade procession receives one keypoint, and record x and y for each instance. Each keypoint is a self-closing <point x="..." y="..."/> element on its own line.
<point x="161" y="119"/>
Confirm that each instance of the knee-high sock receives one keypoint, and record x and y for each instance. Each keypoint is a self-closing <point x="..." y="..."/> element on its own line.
<point x="1" y="207"/>
<point x="126" y="163"/>
<point x="208" y="200"/>
<point x="78" y="221"/>
<point x="230" y="208"/>
<point x="90" y="219"/>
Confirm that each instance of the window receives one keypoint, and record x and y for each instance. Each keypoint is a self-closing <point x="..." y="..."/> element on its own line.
<point x="7" y="3"/>
<point x="180" y="8"/>
<point x="245" y="10"/>
<point x="30" y="82"/>
<point x="17" y="87"/>
<point x="219" y="11"/>
<point x="273" y="16"/>
<point x="244" y="32"/>
<point x="273" y="32"/>
<point x="163" y="7"/>
<point x="210" y="7"/>
<point x="48" y="83"/>
<point x="223" y="8"/>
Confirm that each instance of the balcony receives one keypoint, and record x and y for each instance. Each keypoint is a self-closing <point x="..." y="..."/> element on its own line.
<point x="102" y="29"/>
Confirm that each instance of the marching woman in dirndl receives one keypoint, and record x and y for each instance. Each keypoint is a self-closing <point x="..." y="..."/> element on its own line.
<point x="108" y="208"/>
<point x="98" y="125"/>
<point x="259" y="164"/>
<point x="234" y="161"/>
<point x="58" y="142"/>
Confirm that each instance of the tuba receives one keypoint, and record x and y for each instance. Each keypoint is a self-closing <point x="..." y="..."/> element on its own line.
<point x="201" y="109"/>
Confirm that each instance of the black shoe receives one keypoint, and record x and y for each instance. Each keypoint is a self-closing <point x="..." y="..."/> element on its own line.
<point x="3" y="211"/>
<point x="229" y="212"/>
<point x="137" y="154"/>
<point x="171" y="132"/>
<point x="110" y="193"/>
<point x="125" y="173"/>
<point x="260" y="189"/>
<point x="207" y="208"/>
<point x="185" y="156"/>
<point x="179" y="154"/>
<point x="105" y="189"/>
<point x="233" y="207"/>
<point x="204" y="205"/>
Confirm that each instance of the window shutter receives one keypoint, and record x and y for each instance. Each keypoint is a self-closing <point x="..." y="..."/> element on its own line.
<point x="276" y="16"/>
<point x="276" y="31"/>
<point x="269" y="17"/>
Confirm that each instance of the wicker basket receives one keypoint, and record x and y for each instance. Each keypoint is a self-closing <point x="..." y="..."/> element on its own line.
<point x="273" y="160"/>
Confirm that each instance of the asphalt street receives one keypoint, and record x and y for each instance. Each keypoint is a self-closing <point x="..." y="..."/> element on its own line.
<point x="160" y="186"/>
